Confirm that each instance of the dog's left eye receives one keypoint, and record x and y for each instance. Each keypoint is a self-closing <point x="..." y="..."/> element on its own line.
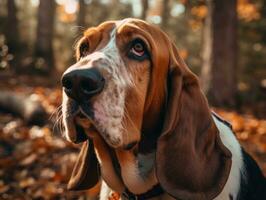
<point x="138" y="50"/>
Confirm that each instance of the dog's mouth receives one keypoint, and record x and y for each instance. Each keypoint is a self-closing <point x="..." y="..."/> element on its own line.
<point x="80" y="124"/>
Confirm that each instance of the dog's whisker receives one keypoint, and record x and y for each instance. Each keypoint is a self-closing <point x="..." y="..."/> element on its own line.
<point x="57" y="116"/>
<point x="58" y="124"/>
<point x="55" y="112"/>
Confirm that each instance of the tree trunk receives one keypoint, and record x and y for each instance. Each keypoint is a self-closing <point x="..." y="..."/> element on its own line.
<point x="165" y="13"/>
<point x="218" y="75"/>
<point x="45" y="32"/>
<point x="145" y="7"/>
<point x="11" y="30"/>
<point x="82" y="14"/>
<point x="27" y="108"/>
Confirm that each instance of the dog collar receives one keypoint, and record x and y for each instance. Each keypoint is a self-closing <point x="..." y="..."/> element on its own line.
<point x="153" y="192"/>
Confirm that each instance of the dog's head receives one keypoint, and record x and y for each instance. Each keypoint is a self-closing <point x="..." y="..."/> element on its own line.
<point x="129" y="83"/>
<point x="115" y="81"/>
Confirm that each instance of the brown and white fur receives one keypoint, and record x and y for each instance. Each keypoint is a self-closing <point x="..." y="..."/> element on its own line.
<point x="151" y="124"/>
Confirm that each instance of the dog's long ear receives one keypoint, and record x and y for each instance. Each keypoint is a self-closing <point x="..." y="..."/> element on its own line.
<point x="191" y="160"/>
<point x="85" y="174"/>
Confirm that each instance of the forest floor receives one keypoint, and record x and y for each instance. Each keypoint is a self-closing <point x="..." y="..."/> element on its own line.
<point x="36" y="161"/>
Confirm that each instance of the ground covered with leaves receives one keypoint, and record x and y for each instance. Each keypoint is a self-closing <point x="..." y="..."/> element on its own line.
<point x="36" y="161"/>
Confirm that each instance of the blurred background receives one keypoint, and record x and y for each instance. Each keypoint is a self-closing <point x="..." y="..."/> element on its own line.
<point x="223" y="42"/>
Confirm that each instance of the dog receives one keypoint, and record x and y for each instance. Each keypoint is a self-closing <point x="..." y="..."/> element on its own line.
<point x="146" y="127"/>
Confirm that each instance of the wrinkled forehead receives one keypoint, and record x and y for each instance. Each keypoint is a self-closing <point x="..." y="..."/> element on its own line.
<point x="101" y="35"/>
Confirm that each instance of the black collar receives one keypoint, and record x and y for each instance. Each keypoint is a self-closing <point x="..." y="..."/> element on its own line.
<point x="153" y="192"/>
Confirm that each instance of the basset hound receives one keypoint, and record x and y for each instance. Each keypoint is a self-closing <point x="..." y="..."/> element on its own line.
<point x="146" y="127"/>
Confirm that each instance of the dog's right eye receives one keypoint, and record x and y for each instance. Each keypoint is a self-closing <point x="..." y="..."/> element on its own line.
<point x="84" y="49"/>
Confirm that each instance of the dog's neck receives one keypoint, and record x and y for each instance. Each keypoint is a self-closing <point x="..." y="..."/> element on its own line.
<point x="137" y="171"/>
<point x="134" y="171"/>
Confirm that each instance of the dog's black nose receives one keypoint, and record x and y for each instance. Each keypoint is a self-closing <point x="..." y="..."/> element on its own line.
<point x="81" y="84"/>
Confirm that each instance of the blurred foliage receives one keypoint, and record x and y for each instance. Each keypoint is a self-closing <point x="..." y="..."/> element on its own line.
<point x="252" y="50"/>
<point x="5" y="56"/>
<point x="35" y="162"/>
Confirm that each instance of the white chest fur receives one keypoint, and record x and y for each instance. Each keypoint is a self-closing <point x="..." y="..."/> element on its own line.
<point x="232" y="185"/>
